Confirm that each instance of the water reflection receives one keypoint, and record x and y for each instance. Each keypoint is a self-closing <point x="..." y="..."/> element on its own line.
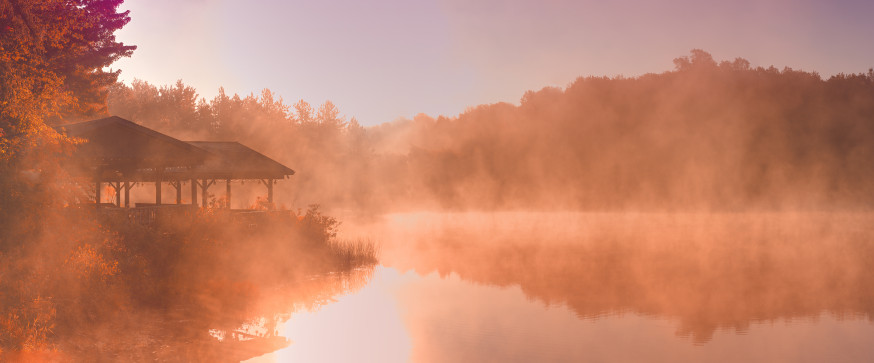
<point x="363" y="327"/>
<point x="452" y="320"/>
<point x="205" y="337"/>
<point x="406" y="317"/>
<point x="521" y="287"/>
<point x="706" y="272"/>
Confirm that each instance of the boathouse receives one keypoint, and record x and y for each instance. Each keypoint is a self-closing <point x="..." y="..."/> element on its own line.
<point x="122" y="153"/>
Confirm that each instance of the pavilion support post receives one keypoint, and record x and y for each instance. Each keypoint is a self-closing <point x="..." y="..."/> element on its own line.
<point x="194" y="192"/>
<point x="127" y="194"/>
<point x="203" y="193"/>
<point x="117" y="187"/>
<point x="158" y="192"/>
<point x="228" y="192"/>
<point x="158" y="176"/>
<point x="204" y="185"/>
<point x="270" y="192"/>
<point x="178" y="191"/>
<point x="97" y="192"/>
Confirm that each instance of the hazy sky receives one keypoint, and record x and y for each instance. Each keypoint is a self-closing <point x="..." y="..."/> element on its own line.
<point x="383" y="59"/>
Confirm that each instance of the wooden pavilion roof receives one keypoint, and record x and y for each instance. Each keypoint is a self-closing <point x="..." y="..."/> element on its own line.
<point x="232" y="160"/>
<point x="117" y="149"/>
<point x="116" y="144"/>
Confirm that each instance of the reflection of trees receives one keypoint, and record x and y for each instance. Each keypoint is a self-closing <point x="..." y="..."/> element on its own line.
<point x="708" y="272"/>
<point x="306" y="294"/>
<point x="136" y="293"/>
<point x="317" y="291"/>
<point x="179" y="336"/>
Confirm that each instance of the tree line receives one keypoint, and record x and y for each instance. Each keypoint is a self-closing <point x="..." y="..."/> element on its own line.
<point x="707" y="135"/>
<point x="319" y="140"/>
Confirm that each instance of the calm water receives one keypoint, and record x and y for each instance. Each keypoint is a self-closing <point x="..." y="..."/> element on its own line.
<point x="526" y="287"/>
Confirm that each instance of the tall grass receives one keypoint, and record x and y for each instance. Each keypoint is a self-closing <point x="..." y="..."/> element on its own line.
<point x="351" y="254"/>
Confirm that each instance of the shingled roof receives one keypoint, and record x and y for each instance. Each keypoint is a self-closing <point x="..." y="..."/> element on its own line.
<point x="118" y="144"/>
<point x="118" y="149"/>
<point x="232" y="160"/>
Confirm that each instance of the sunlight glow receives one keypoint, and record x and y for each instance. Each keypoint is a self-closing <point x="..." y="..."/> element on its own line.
<point x="364" y="327"/>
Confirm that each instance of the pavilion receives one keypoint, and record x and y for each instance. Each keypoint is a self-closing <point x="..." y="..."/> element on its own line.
<point x="121" y="153"/>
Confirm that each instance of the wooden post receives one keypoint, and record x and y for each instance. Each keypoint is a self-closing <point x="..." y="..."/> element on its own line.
<point x="117" y="187"/>
<point x="270" y="192"/>
<point x="127" y="194"/>
<point x="158" y="175"/>
<point x="204" y="185"/>
<point x="228" y="192"/>
<point x="203" y="193"/>
<point x="178" y="191"/>
<point x="194" y="192"/>
<point x="97" y="192"/>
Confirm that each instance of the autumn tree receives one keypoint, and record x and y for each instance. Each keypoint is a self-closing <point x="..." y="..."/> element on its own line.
<point x="53" y="55"/>
<point x="52" y="67"/>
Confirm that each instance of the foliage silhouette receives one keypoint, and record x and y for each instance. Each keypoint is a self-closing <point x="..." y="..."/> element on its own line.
<point x="706" y="136"/>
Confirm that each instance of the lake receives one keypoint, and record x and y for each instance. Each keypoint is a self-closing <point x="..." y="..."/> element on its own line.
<point x="599" y="287"/>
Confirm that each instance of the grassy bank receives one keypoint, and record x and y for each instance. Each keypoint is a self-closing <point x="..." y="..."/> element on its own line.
<point x="99" y="285"/>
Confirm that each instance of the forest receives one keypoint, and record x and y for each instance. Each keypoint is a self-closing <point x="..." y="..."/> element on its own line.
<point x="706" y="136"/>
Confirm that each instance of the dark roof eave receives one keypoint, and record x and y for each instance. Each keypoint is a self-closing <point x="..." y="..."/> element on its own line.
<point x="223" y="175"/>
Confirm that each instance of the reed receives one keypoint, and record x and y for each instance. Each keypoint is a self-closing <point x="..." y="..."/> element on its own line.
<point x="352" y="254"/>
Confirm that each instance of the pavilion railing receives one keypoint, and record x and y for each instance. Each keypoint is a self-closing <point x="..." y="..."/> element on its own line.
<point x="148" y="214"/>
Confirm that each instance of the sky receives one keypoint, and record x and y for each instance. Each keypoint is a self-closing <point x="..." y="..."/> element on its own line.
<point x="381" y="60"/>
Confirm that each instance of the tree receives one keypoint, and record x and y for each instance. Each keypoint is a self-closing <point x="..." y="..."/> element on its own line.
<point x="82" y="56"/>
<point x="698" y="59"/>
<point x="303" y="112"/>
<point x="329" y="116"/>
<point x="52" y="59"/>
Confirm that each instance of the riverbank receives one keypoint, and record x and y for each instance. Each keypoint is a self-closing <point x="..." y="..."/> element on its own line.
<point x="97" y="286"/>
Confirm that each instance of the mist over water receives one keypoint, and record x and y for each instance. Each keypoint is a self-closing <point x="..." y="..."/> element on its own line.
<point x="708" y="271"/>
<point x="571" y="286"/>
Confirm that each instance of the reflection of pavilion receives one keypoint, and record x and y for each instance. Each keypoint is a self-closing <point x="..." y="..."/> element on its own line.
<point x="121" y="153"/>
